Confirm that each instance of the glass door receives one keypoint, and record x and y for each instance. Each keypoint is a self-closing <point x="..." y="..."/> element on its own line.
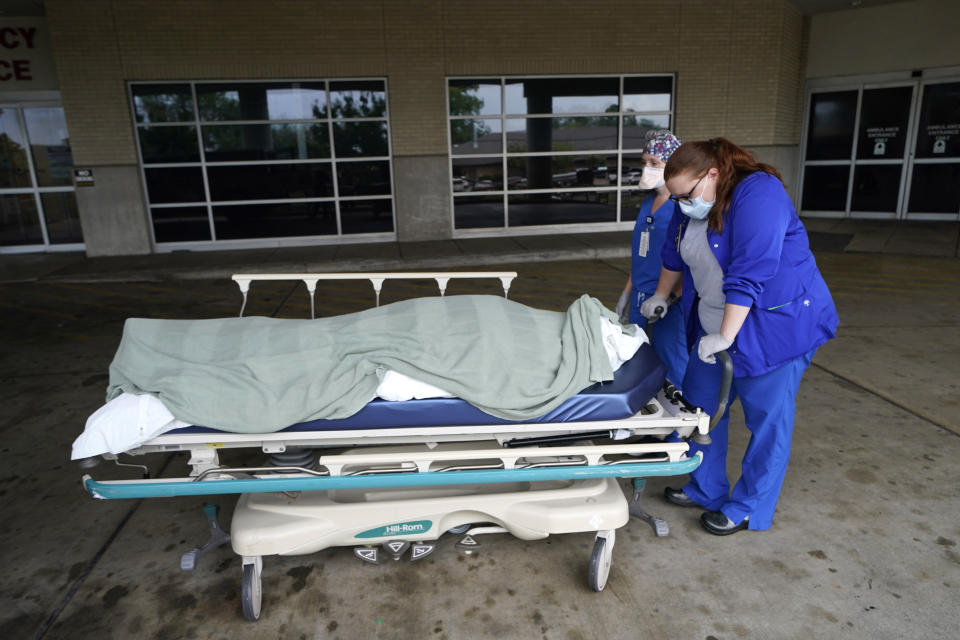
<point x="934" y="185"/>
<point x="856" y="149"/>
<point x="38" y="208"/>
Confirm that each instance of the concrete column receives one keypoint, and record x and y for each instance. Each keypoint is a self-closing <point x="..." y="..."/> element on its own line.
<point x="112" y="213"/>
<point x="422" y="197"/>
<point x="785" y="158"/>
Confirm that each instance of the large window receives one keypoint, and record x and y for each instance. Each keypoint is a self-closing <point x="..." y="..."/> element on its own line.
<point x="535" y="152"/>
<point x="248" y="161"/>
<point x="38" y="208"/>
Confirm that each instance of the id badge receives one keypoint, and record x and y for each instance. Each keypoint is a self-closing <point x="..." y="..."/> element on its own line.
<point x="644" y="244"/>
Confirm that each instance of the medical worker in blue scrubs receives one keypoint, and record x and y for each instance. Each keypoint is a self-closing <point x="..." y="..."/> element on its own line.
<point x="649" y="233"/>
<point x="752" y="288"/>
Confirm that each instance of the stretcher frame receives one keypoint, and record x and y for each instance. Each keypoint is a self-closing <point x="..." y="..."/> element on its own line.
<point x="573" y="486"/>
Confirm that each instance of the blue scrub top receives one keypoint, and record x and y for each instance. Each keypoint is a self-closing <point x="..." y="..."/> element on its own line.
<point x="767" y="266"/>
<point x="645" y="271"/>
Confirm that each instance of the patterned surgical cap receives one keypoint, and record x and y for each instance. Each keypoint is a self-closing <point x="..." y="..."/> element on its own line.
<point x="661" y="143"/>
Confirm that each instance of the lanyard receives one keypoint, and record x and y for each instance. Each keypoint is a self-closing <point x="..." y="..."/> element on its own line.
<point x="681" y="228"/>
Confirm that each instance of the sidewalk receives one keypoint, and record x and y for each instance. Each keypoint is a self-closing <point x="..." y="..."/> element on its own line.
<point x="868" y="236"/>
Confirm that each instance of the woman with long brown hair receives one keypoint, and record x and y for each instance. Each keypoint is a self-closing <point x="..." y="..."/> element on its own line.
<point x="751" y="287"/>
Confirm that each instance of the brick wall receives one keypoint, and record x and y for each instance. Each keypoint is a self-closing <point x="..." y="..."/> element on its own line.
<point x="738" y="63"/>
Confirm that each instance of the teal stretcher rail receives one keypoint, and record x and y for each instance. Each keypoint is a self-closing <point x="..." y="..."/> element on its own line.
<point x="116" y="489"/>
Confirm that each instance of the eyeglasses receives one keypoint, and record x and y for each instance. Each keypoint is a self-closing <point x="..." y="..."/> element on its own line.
<point x="686" y="199"/>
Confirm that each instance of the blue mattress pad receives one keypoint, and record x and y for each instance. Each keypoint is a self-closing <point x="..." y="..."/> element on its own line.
<point x="632" y="387"/>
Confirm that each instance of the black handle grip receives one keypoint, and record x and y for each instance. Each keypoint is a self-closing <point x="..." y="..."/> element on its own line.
<point x="726" y="381"/>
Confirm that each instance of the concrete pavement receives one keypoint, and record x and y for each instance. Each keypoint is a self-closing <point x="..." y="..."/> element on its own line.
<point x="864" y="544"/>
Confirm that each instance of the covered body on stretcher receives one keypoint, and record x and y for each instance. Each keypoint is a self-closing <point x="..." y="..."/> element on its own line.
<point x="415" y="469"/>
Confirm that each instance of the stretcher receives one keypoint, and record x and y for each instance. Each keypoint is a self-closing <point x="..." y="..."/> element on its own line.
<point x="395" y="477"/>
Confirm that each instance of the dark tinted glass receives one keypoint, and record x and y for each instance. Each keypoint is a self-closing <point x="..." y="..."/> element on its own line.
<point x="14" y="166"/>
<point x="358" y="99"/>
<point x="825" y="188"/>
<point x="477" y="174"/>
<point x="884" y="115"/>
<point x="478" y="212"/>
<point x="647" y="94"/>
<point x="180" y="224"/>
<point x="270" y="181"/>
<point x="19" y="222"/>
<point x="561" y="134"/>
<point x="50" y="145"/>
<point x="357" y="139"/>
<point x="562" y="208"/>
<point x="562" y="95"/>
<point x="636" y="128"/>
<point x="363" y="178"/>
<point x="262" y="101"/>
<point x="168" y="144"/>
<point x="564" y="172"/>
<point x="277" y="220"/>
<point x="830" y="133"/>
<point x="939" y="132"/>
<point x="876" y="187"/>
<point x="63" y="220"/>
<point x="935" y="188"/>
<point x="474" y="97"/>
<point x="177" y="184"/>
<point x="366" y="216"/>
<point x="476" y="136"/>
<point x="266" y="142"/>
<point x="162" y="102"/>
<point x="630" y="201"/>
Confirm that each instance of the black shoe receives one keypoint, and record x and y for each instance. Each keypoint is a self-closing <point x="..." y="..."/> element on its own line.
<point x="717" y="523"/>
<point x="678" y="497"/>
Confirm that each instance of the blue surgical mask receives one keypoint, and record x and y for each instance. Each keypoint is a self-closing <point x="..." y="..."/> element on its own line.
<point x="696" y="208"/>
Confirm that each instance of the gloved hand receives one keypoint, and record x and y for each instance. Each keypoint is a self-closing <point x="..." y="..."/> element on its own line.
<point x="654" y="307"/>
<point x="710" y="344"/>
<point x="622" y="312"/>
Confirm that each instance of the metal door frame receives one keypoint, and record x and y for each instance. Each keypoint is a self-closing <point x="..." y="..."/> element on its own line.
<point x="35" y="189"/>
<point x="907" y="161"/>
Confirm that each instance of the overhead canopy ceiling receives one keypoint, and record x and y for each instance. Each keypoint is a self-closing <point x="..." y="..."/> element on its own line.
<point x="823" y="6"/>
<point x="14" y="8"/>
<point x="35" y="7"/>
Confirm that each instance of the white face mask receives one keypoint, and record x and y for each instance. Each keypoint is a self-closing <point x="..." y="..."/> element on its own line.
<point x="651" y="178"/>
<point x="696" y="208"/>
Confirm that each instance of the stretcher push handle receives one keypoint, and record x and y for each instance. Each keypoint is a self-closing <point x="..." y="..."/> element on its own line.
<point x="726" y="381"/>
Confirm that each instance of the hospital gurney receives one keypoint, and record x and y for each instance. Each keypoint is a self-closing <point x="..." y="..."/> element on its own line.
<point x="414" y="470"/>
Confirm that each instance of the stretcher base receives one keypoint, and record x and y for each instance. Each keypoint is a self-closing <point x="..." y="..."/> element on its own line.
<point x="295" y="524"/>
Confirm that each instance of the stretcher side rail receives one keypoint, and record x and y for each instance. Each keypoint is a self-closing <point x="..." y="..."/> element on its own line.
<point x="445" y="458"/>
<point x="243" y="280"/>
<point x="653" y="420"/>
<point x="119" y="489"/>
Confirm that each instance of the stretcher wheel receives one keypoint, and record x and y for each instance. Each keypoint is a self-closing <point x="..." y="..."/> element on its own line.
<point x="251" y="595"/>
<point x="600" y="561"/>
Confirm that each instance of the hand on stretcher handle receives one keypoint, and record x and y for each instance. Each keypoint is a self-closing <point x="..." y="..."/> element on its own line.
<point x="726" y="381"/>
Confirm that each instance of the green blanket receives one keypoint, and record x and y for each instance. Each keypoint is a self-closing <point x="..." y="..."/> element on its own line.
<point x="256" y="374"/>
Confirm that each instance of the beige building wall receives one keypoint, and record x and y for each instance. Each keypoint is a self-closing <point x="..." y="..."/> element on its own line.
<point x="738" y="65"/>
<point x="901" y="36"/>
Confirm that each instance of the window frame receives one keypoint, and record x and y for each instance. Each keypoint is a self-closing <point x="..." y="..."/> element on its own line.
<point x="208" y="203"/>
<point x="47" y="101"/>
<point x="620" y="223"/>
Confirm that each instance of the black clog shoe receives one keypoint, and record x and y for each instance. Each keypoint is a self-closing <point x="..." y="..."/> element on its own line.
<point x="717" y="523"/>
<point x="678" y="497"/>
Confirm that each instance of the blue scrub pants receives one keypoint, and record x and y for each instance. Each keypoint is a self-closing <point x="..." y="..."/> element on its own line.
<point x="670" y="343"/>
<point x="769" y="406"/>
